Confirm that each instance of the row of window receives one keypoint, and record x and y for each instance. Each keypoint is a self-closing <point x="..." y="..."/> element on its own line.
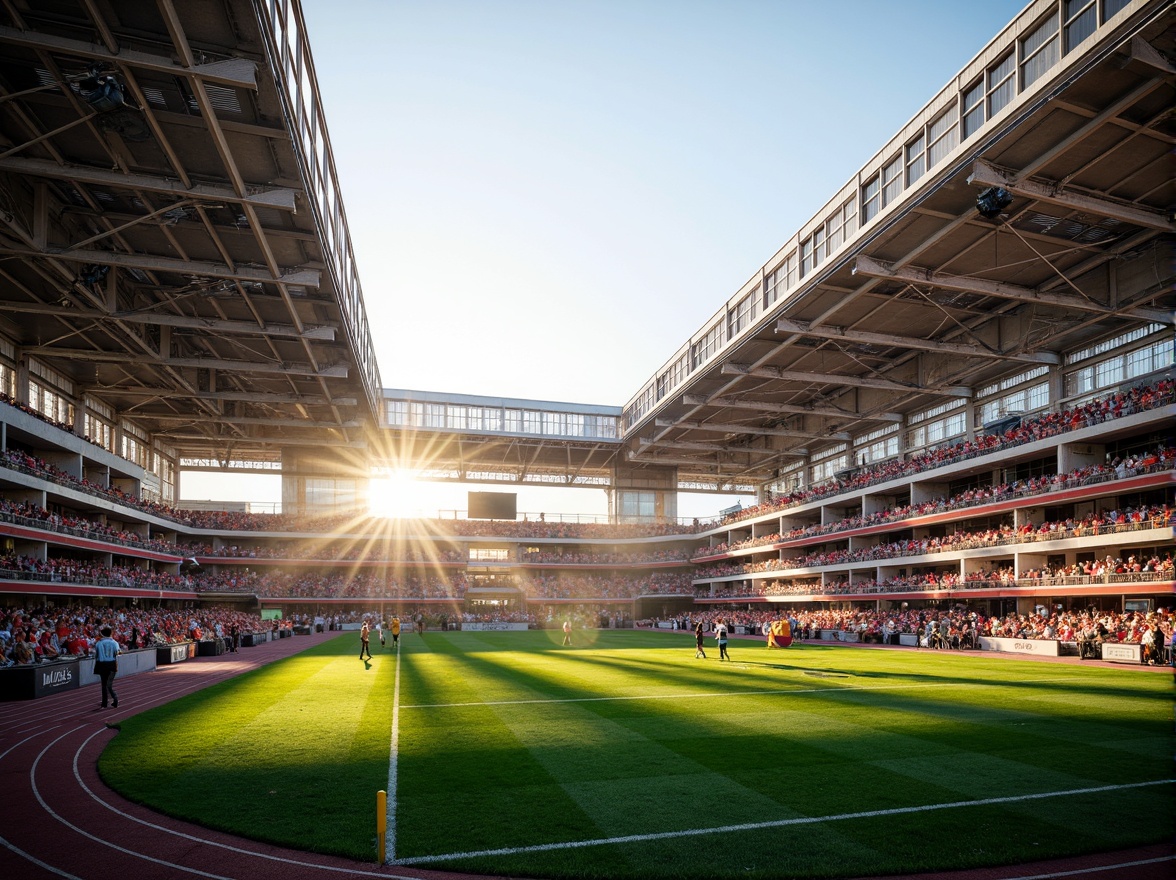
<point x="236" y="464"/>
<point x="1119" y="368"/>
<point x="1022" y="395"/>
<point x="1034" y="398"/>
<point x="1018" y="394"/>
<point x="50" y="393"/>
<point x="329" y="494"/>
<point x="50" y="403"/>
<point x="1114" y="342"/>
<point x="499" y="420"/>
<point x="310" y="140"/>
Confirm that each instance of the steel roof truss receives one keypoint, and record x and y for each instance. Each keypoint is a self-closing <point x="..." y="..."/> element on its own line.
<point x="698" y="425"/>
<point x="280" y="198"/>
<point x="986" y="175"/>
<point x="804" y="328"/>
<point x="870" y="267"/>
<point x="769" y="372"/>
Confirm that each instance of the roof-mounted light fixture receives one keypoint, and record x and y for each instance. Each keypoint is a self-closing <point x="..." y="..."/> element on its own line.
<point x="992" y="201"/>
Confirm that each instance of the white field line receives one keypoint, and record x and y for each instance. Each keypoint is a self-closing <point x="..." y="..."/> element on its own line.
<point x="775" y="692"/>
<point x="393" y="752"/>
<point x="350" y="871"/>
<point x="779" y="823"/>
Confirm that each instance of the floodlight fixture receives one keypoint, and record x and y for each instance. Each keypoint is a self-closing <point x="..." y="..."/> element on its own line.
<point x="992" y="201"/>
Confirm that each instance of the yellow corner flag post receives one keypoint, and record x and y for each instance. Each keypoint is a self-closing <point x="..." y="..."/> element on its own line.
<point x="381" y="822"/>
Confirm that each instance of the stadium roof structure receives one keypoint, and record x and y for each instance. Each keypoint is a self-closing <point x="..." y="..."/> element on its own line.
<point x="938" y="291"/>
<point x="174" y="243"/>
<point x="172" y="234"/>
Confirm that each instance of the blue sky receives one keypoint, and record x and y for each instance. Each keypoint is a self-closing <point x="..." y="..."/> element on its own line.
<point x="546" y="199"/>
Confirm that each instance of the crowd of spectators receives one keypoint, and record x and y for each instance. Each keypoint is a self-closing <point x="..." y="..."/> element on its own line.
<point x="413" y="583"/>
<point x="957" y="627"/>
<point x="1101" y="522"/>
<point x="1118" y="468"/>
<point x="37" y="414"/>
<point x="45" y="633"/>
<point x="350" y="551"/>
<point x="565" y="586"/>
<point x="351" y="585"/>
<point x="28" y="514"/>
<point x="565" y="557"/>
<point x="1094" y="571"/>
<point x="433" y="585"/>
<point x="66" y="570"/>
<point x="357" y="522"/>
<point x="1042" y="426"/>
<point x="1045" y="425"/>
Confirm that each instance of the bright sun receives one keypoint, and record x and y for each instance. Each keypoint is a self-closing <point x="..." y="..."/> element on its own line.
<point x="395" y="495"/>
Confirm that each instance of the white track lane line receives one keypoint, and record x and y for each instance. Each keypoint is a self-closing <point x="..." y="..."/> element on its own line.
<point x="1098" y="870"/>
<point x="779" y="823"/>
<point x="393" y="754"/>
<point x="350" y="871"/>
<point x="4" y="754"/>
<point x="36" y="861"/>
<point x="157" y="696"/>
<point x="205" y="675"/>
<point x="88" y="835"/>
<point x="9" y="845"/>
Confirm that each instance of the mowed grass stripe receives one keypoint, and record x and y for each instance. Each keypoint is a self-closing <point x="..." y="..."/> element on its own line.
<point x="945" y="715"/>
<point x="467" y="763"/>
<point x="292" y="753"/>
<point x="620" y="756"/>
<point x="1112" y="790"/>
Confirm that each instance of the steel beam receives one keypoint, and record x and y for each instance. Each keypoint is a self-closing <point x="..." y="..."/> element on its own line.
<point x="872" y="268"/>
<point x="195" y="439"/>
<point x="151" y="263"/>
<point x="339" y="371"/>
<point x="243" y="396"/>
<point x="699" y="446"/>
<point x="322" y="333"/>
<point x="984" y="174"/>
<point x="1090" y="126"/>
<point x="763" y="406"/>
<point x="839" y="379"/>
<point x="238" y="72"/>
<point x="762" y="471"/>
<point x="258" y="196"/>
<point x="805" y="328"/>
<point x="245" y="420"/>
<point x="698" y="425"/>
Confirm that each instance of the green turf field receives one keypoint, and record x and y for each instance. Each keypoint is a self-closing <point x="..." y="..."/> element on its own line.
<point x="623" y="756"/>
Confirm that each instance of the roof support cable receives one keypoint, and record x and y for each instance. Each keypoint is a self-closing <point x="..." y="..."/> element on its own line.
<point x="1059" y="272"/>
<point x="960" y="324"/>
<point x="44" y="137"/>
<point x="182" y="203"/>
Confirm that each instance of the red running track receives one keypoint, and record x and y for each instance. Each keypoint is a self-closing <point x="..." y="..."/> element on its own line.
<point x="57" y="819"/>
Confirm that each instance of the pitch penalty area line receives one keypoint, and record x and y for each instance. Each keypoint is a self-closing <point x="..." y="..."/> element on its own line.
<point x="778" y="823"/>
